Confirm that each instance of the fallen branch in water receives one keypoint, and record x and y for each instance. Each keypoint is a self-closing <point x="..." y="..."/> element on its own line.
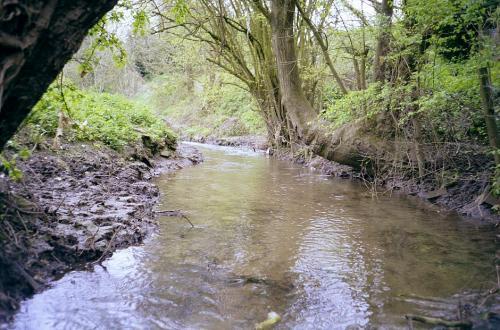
<point x="489" y="294"/>
<point x="441" y="322"/>
<point x="175" y="213"/>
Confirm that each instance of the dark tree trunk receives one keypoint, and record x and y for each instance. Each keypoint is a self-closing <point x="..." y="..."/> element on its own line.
<point x="385" y="11"/>
<point x="37" y="38"/>
<point x="299" y="110"/>
<point x="486" y="88"/>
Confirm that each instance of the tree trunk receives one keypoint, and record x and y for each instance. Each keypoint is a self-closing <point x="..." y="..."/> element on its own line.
<point x="299" y="110"/>
<point x="489" y="111"/>
<point x="324" y="48"/>
<point x="357" y="72"/>
<point x="363" y="71"/>
<point x="385" y="13"/>
<point x="37" y="38"/>
<point x="189" y="78"/>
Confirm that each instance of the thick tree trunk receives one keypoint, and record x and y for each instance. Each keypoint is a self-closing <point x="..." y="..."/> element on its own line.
<point x="385" y="12"/>
<point x="299" y="110"/>
<point x="37" y="38"/>
<point x="489" y="111"/>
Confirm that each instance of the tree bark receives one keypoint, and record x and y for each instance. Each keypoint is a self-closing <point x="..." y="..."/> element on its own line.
<point x="489" y="111"/>
<point x="298" y="108"/>
<point x="324" y="48"/>
<point x="37" y="38"/>
<point x="385" y="11"/>
<point x="363" y="72"/>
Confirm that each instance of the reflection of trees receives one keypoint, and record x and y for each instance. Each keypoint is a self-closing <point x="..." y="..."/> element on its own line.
<point x="349" y="256"/>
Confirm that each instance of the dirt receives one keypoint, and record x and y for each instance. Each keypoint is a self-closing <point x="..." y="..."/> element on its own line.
<point x="255" y="142"/>
<point x="72" y="209"/>
<point x="467" y="193"/>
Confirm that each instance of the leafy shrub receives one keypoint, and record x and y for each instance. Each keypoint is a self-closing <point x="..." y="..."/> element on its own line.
<point x="357" y="104"/>
<point x="111" y="119"/>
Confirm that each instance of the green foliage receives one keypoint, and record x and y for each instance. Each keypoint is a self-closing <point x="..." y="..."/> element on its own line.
<point x="180" y="10"/>
<point x="10" y="165"/>
<point x="111" y="119"/>
<point x="101" y="40"/>
<point x="357" y="104"/>
<point x="140" y="23"/>
<point x="452" y="26"/>
<point x="448" y="105"/>
<point x="214" y="109"/>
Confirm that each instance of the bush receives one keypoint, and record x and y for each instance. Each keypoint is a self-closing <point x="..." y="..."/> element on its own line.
<point x="111" y="119"/>
<point x="357" y="104"/>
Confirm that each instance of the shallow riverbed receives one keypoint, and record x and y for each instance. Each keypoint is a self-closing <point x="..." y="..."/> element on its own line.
<point x="271" y="236"/>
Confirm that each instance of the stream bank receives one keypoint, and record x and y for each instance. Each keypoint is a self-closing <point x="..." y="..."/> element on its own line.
<point x="254" y="142"/>
<point x="271" y="236"/>
<point x="73" y="208"/>
<point x="466" y="194"/>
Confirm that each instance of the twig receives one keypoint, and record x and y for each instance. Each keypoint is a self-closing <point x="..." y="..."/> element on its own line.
<point x="108" y="247"/>
<point x="488" y="295"/>
<point x="187" y="219"/>
<point x="27" y="277"/>
<point x="438" y="321"/>
<point x="27" y="231"/>
<point x="60" y="204"/>
<point x="498" y="276"/>
<point x="175" y="213"/>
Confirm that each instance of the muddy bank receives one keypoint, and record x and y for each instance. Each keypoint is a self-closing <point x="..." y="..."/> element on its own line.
<point x="468" y="194"/>
<point x="72" y="209"/>
<point x="455" y="181"/>
<point x="255" y="142"/>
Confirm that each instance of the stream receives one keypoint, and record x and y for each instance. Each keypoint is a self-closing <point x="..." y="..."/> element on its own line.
<point x="273" y="236"/>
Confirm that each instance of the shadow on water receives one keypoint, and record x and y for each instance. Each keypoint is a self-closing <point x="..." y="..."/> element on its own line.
<point x="270" y="236"/>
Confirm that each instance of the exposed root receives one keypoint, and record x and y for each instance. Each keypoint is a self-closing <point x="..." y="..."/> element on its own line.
<point x="440" y="322"/>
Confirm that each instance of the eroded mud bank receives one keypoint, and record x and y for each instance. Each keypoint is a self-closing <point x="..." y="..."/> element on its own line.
<point x="72" y="209"/>
<point x="468" y="194"/>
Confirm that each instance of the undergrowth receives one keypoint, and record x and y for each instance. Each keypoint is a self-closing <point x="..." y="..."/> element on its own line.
<point x="210" y="109"/>
<point x="110" y="119"/>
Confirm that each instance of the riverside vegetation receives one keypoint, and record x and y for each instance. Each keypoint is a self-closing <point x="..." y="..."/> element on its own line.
<point x="396" y="95"/>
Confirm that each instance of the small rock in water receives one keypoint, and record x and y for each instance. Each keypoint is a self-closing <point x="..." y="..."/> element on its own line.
<point x="272" y="319"/>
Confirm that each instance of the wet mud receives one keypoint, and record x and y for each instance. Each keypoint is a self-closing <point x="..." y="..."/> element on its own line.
<point x="72" y="209"/>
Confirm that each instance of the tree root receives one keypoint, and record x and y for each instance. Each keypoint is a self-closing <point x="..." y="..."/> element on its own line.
<point x="437" y="321"/>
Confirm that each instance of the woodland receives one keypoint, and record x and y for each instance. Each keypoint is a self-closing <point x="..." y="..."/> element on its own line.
<point x="391" y="88"/>
<point x="401" y="95"/>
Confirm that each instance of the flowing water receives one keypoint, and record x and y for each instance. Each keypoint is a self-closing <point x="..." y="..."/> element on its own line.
<point x="271" y="236"/>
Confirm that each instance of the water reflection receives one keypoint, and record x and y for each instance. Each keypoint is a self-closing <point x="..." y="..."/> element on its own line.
<point x="270" y="236"/>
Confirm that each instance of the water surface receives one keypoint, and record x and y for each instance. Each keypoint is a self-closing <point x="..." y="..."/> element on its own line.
<point x="271" y="236"/>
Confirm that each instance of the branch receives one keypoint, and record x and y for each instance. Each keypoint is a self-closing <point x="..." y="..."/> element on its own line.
<point x="261" y="7"/>
<point x="323" y="47"/>
<point x="229" y="70"/>
<point x="437" y="321"/>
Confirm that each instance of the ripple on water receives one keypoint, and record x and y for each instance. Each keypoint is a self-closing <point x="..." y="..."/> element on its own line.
<point x="274" y="237"/>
